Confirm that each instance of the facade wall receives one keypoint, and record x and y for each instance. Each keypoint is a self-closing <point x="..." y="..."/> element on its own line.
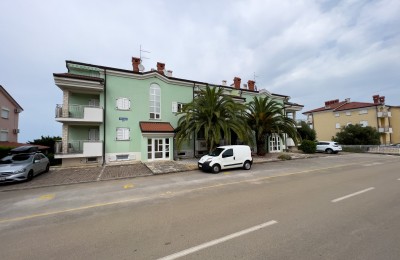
<point x="395" y="123"/>
<point x="325" y="122"/>
<point x="7" y="125"/>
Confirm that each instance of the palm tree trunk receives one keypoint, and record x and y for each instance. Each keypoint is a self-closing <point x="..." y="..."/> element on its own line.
<point x="261" y="147"/>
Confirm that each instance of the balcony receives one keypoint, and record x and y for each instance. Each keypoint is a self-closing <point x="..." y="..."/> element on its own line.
<point x="78" y="148"/>
<point x="385" y="130"/>
<point x="384" y="114"/>
<point x="79" y="114"/>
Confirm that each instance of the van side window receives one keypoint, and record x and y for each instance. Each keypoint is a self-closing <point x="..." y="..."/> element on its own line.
<point x="227" y="153"/>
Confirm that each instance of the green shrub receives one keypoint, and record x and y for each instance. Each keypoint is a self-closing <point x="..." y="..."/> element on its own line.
<point x="285" y="157"/>
<point x="308" y="146"/>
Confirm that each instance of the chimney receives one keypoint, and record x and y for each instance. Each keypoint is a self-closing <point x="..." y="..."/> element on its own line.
<point x="135" y="64"/>
<point x="169" y="73"/>
<point x="382" y="100"/>
<point x="236" y="82"/>
<point x="376" y="99"/>
<point x="160" y="67"/>
<point x="251" y="83"/>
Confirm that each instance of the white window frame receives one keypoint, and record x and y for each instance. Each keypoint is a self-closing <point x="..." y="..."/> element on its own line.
<point x="337" y="125"/>
<point x="154" y="98"/>
<point x="364" y="123"/>
<point x="122" y="134"/>
<point x="177" y="107"/>
<point x="363" y="111"/>
<point x="5" y="113"/>
<point x="123" y="103"/>
<point x="337" y="114"/>
<point x="348" y="113"/>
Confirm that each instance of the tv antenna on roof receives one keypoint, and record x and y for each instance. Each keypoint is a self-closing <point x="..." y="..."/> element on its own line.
<point x="255" y="76"/>
<point x="141" y="50"/>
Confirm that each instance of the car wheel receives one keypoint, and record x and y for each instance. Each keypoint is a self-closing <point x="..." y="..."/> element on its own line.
<point x="47" y="168"/>
<point x="247" y="165"/>
<point x="216" y="168"/>
<point x="30" y="175"/>
<point x="329" y="150"/>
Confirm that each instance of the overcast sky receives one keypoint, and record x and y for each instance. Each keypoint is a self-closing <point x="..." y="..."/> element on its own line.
<point x="310" y="50"/>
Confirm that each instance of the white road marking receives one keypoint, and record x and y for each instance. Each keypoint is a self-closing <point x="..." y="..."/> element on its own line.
<point x="217" y="241"/>
<point x="372" y="164"/>
<point x="353" y="194"/>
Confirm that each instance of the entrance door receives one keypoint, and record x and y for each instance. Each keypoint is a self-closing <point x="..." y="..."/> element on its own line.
<point x="158" y="149"/>
<point x="274" y="143"/>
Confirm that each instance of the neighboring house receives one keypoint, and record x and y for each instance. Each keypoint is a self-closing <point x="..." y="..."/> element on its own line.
<point x="329" y="119"/>
<point x="112" y="115"/>
<point x="9" y="118"/>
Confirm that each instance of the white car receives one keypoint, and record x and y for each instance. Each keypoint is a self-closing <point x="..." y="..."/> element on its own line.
<point x="227" y="157"/>
<point x="328" y="147"/>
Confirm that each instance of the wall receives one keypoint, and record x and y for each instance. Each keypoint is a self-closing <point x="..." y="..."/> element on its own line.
<point x="11" y="122"/>
<point x="395" y="123"/>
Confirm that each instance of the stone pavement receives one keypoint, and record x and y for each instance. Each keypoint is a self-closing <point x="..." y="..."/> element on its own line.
<point x="63" y="176"/>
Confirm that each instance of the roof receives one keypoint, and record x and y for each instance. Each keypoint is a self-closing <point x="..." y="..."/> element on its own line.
<point x="2" y="89"/>
<point x="341" y="106"/>
<point x="75" y="76"/>
<point x="156" y="127"/>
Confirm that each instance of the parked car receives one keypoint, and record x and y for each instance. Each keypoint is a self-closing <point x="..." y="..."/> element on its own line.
<point x="328" y="147"/>
<point x="22" y="166"/>
<point x="227" y="157"/>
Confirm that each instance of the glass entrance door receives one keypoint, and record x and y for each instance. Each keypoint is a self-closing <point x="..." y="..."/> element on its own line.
<point x="158" y="149"/>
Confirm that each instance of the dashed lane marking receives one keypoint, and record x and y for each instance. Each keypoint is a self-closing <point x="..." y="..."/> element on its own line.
<point x="353" y="194"/>
<point x="47" y="197"/>
<point x="128" y="186"/>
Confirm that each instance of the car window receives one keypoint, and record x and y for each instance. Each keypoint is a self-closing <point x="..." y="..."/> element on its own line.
<point x="21" y="158"/>
<point x="228" y="153"/>
<point x="216" y="152"/>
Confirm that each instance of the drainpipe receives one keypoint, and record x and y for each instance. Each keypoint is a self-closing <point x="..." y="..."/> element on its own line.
<point x="104" y="117"/>
<point x="390" y="135"/>
<point x="194" y="134"/>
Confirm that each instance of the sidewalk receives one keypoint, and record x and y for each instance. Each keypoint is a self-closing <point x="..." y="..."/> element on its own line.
<point x="63" y="176"/>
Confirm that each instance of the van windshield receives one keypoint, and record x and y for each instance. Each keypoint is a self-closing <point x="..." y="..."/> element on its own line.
<point x="216" y="152"/>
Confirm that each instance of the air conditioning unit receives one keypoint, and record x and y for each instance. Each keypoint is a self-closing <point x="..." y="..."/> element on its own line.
<point x="16" y="131"/>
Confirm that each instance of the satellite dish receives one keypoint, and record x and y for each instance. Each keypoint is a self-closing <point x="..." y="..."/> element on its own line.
<point x="141" y="67"/>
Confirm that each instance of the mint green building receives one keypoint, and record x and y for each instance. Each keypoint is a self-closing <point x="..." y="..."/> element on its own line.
<point x="112" y="115"/>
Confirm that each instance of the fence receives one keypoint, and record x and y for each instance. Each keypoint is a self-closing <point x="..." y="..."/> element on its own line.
<point x="372" y="149"/>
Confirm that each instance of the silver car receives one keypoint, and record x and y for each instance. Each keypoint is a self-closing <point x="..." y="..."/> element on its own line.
<point x="23" y="166"/>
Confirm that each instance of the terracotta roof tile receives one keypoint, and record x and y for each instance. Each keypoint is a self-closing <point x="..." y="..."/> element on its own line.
<point x="354" y="105"/>
<point x="156" y="127"/>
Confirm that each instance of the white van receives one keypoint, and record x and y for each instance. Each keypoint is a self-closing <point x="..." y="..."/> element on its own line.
<point x="227" y="157"/>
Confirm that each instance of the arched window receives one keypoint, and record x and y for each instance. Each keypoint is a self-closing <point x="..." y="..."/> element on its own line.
<point x="155" y="101"/>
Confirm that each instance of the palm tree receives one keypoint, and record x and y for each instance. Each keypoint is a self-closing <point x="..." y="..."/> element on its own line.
<point x="215" y="114"/>
<point x="265" y="117"/>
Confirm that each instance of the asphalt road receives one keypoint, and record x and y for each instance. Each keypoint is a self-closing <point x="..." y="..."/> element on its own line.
<point x="334" y="207"/>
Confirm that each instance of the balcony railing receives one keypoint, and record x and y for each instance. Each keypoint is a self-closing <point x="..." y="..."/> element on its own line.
<point x="384" y="114"/>
<point x="79" y="113"/>
<point x="85" y="148"/>
<point x="385" y="129"/>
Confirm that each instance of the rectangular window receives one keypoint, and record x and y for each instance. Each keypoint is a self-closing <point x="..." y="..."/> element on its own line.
<point x="122" y="156"/>
<point x="348" y="113"/>
<point x="177" y="107"/>
<point x="337" y="125"/>
<point x="364" y="123"/>
<point x="4" y="135"/>
<point x="123" y="134"/>
<point x="337" y="114"/>
<point x="155" y="101"/>
<point x="5" y="113"/>
<point x="363" y="111"/>
<point x="123" y="104"/>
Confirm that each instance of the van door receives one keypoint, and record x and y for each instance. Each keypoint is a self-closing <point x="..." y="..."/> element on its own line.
<point x="229" y="159"/>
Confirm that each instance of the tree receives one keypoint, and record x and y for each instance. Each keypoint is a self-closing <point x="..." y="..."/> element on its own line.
<point x="215" y="114"/>
<point x="306" y="132"/>
<point x="265" y="117"/>
<point x="46" y="141"/>
<point x="357" y="135"/>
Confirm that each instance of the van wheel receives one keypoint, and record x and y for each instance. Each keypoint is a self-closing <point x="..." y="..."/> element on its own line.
<point x="216" y="168"/>
<point x="247" y="165"/>
<point x="329" y="151"/>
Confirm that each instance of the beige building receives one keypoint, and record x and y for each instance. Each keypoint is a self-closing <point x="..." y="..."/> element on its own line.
<point x="329" y="119"/>
<point x="9" y="110"/>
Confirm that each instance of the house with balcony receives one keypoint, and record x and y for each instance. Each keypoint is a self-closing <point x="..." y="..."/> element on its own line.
<point x="112" y="115"/>
<point x="9" y="118"/>
<point x="329" y="119"/>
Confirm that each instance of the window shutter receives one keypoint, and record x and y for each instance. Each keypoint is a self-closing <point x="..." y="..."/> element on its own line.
<point x="174" y="107"/>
